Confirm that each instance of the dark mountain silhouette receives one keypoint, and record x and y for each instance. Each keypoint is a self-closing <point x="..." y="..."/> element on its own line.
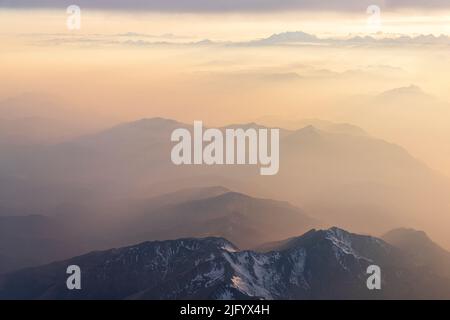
<point x="244" y="220"/>
<point x="32" y="240"/>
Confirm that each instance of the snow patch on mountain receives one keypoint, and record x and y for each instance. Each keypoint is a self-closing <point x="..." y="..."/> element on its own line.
<point x="216" y="274"/>
<point x="343" y="246"/>
<point x="298" y="259"/>
<point x="253" y="273"/>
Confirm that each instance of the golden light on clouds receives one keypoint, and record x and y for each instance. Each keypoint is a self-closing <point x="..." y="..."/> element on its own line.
<point x="117" y="68"/>
<point x="231" y="26"/>
<point x="375" y="84"/>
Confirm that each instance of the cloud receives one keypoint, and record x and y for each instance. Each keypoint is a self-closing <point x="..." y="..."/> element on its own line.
<point x="291" y="38"/>
<point x="302" y="38"/>
<point x="229" y="5"/>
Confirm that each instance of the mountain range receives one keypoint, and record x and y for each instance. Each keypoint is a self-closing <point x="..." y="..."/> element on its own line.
<point x="334" y="175"/>
<point x="118" y="187"/>
<point x="289" y="38"/>
<point x="244" y="220"/>
<point x="321" y="264"/>
<point x="197" y="212"/>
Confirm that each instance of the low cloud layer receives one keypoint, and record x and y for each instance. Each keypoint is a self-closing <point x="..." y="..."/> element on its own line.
<point x="229" y="5"/>
<point x="295" y="38"/>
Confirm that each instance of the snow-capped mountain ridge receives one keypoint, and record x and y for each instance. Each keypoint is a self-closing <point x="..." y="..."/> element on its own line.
<point x="318" y="265"/>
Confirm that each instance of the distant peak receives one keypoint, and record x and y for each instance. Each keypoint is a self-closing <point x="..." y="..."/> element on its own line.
<point x="307" y="131"/>
<point x="145" y="123"/>
<point x="215" y="188"/>
<point x="234" y="195"/>
<point x="309" y="128"/>
<point x="205" y="42"/>
<point x="407" y="90"/>
<point x="249" y="125"/>
<point x="407" y="234"/>
<point x="292" y="36"/>
<point x="412" y="88"/>
<point x="154" y="120"/>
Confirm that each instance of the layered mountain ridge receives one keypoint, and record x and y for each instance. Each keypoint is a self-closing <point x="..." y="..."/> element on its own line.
<point x="321" y="264"/>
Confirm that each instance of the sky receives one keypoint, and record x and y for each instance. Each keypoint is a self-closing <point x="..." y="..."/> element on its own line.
<point x="208" y="59"/>
<point x="231" y="6"/>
